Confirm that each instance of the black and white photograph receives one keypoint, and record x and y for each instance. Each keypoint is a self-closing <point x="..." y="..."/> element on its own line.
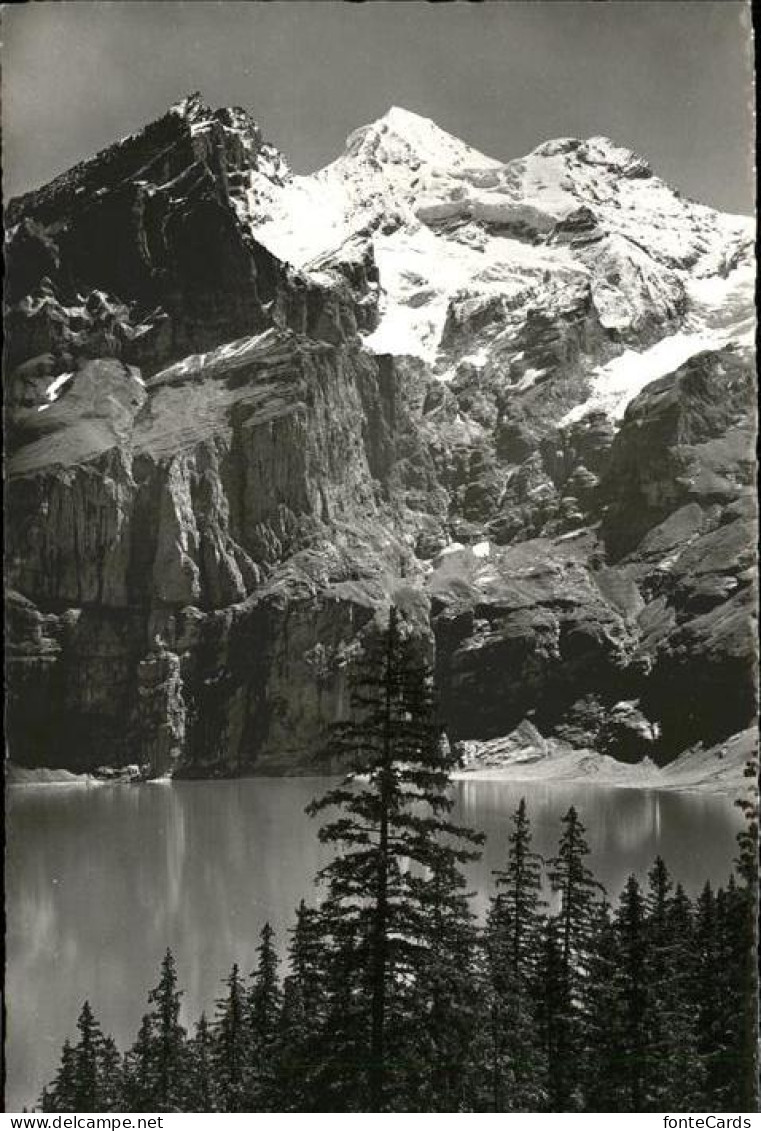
<point x="380" y="523"/>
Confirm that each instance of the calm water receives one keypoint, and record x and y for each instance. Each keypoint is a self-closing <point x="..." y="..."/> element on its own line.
<point x="100" y="881"/>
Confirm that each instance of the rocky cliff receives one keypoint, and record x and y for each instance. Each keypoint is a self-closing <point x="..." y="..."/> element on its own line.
<point x="247" y="410"/>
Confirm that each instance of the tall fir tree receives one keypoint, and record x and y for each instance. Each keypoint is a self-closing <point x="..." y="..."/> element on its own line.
<point x="747" y="924"/>
<point x="604" y="1046"/>
<point x="60" y="1095"/>
<point x="201" y="1091"/>
<point x="88" y="1078"/>
<point x="231" y="1050"/>
<point x="110" y="1089"/>
<point x="138" y="1074"/>
<point x="674" y="1071"/>
<point x="736" y="1064"/>
<point x="519" y="891"/>
<point x="302" y="1021"/>
<point x="339" y="1075"/>
<point x="156" y="1064"/>
<point x="264" y="1003"/>
<point x="555" y="1020"/>
<point x="630" y="976"/>
<point x="579" y="892"/>
<point x="87" y="1057"/>
<point x="435" y="1029"/>
<point x="512" y="937"/>
<point x="169" y="1051"/>
<point x="393" y="823"/>
<point x="707" y="998"/>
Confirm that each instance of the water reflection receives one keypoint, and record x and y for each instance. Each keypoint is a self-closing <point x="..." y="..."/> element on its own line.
<point x="100" y="881"/>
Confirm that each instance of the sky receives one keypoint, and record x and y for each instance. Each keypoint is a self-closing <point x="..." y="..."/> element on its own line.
<point x="671" y="79"/>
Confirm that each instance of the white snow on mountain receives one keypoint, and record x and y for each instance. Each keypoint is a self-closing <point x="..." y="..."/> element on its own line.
<point x="449" y="225"/>
<point x="53" y="391"/>
<point x="422" y="272"/>
<point x="721" y="312"/>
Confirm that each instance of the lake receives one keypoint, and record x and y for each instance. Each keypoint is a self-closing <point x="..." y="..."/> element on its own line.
<point x="100" y="880"/>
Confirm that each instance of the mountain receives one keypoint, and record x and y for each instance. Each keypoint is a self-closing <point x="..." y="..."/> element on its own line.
<point x="247" y="409"/>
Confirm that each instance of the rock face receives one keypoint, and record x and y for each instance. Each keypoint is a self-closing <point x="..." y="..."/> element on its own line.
<point x="246" y="411"/>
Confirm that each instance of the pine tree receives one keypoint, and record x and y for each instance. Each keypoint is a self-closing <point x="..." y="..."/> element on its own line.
<point x="155" y="1066"/>
<point x="736" y="1064"/>
<point x="61" y="1095"/>
<point x="339" y="1074"/>
<point x="579" y="894"/>
<point x="707" y="991"/>
<point x="745" y="910"/>
<point x="512" y="936"/>
<point x="110" y="1090"/>
<point x="603" y="1059"/>
<point x="139" y="1084"/>
<point x="89" y="1075"/>
<point x="263" y="1006"/>
<point x="519" y="890"/>
<point x="392" y="824"/>
<point x="170" y="1037"/>
<point x="201" y="1090"/>
<point x="632" y="996"/>
<point x="674" y="1074"/>
<point x="87" y="1053"/>
<point x="303" y="1013"/>
<point x="554" y="1019"/>
<point x="569" y="875"/>
<point x="232" y="1048"/>
<point x="435" y="1027"/>
<point x="747" y="838"/>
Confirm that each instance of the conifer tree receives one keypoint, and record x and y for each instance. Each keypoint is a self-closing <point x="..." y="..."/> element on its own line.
<point x="303" y="1012"/>
<point x="512" y="938"/>
<point x="519" y="890"/>
<point x="88" y="1078"/>
<point x="707" y="991"/>
<point x="155" y="1067"/>
<point x="202" y="1090"/>
<point x="139" y="1082"/>
<point x="736" y="1061"/>
<point x="632" y="996"/>
<point x="110" y="1091"/>
<point x="263" y="1007"/>
<point x="436" y="1026"/>
<point x="570" y="876"/>
<point x="745" y="911"/>
<point x="579" y="893"/>
<point x="674" y="1075"/>
<point x="87" y="1055"/>
<point x="232" y="1049"/>
<point x="169" y="1050"/>
<point x="392" y="822"/>
<point x="603" y="1039"/>
<point x="339" y="1075"/>
<point x="554" y="1019"/>
<point x="61" y="1095"/>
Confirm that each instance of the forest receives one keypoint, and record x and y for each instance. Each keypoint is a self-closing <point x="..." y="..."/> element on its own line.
<point x="394" y="997"/>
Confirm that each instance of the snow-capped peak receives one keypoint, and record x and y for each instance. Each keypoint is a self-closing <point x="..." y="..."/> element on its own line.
<point x="459" y="237"/>
<point x="401" y="136"/>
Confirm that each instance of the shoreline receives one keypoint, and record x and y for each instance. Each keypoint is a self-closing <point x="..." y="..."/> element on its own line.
<point x="719" y="770"/>
<point x="730" y="786"/>
<point x="728" y="789"/>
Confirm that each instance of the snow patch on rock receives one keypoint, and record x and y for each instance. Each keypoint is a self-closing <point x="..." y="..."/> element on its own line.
<point x="721" y="311"/>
